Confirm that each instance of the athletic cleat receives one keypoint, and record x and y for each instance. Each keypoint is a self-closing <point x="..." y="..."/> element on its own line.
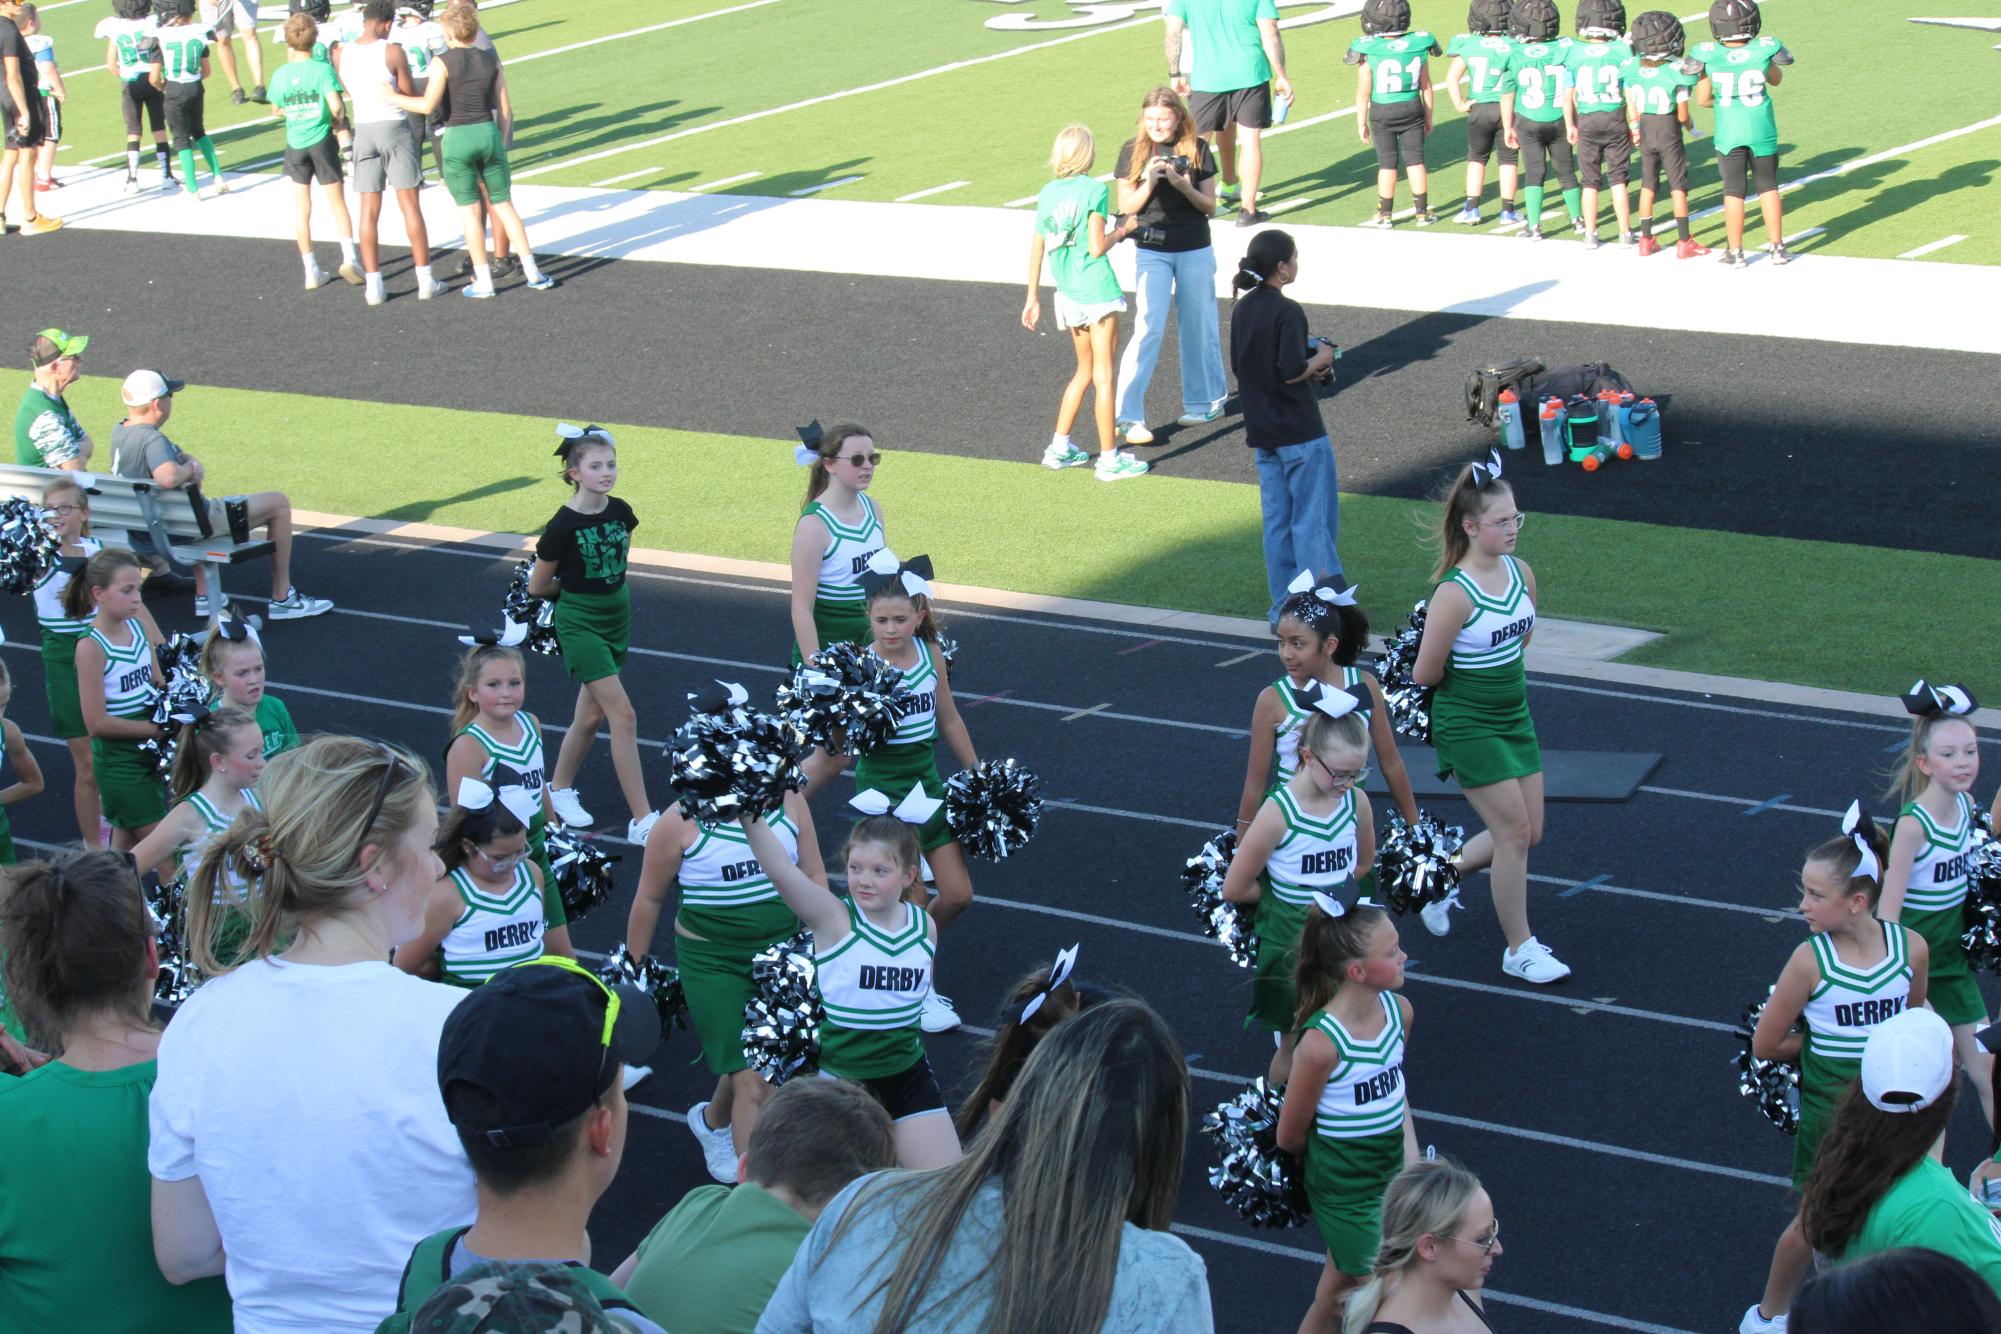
<point x="718" y="1148"/>
<point x="637" y="830"/>
<point x="1778" y="252"/>
<point x="1533" y="962"/>
<point x="504" y="265"/>
<point x="1532" y="233"/>
<point x="1424" y="219"/>
<point x="1252" y="217"/>
<point x="1059" y="457"/>
<point x="236" y="97"/>
<point x="1510" y="214"/>
<point x="1116" y="466"/>
<point x="476" y="292"/>
<point x="1591" y="241"/>
<point x="563" y="800"/>
<point x="221" y="186"/>
<point x="1380" y="221"/>
<point x="1202" y="418"/>
<point x="1135" y="433"/>
<point x="1647" y="245"/>
<point x="131" y="185"/>
<point x="939" y="1015"/>
<point x="1757" y="1322"/>
<point x="351" y="273"/>
<point x="1577" y="225"/>
<point x="1690" y="249"/>
<point x="1733" y="259"/>
<point x="257" y="96"/>
<point x="1438" y="916"/>
<point x="1228" y="195"/>
<point x="1467" y="217"/>
<point x="296" y="606"/>
<point x="167" y="183"/>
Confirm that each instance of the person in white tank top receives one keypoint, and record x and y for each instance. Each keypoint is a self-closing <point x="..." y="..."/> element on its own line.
<point x="386" y="152"/>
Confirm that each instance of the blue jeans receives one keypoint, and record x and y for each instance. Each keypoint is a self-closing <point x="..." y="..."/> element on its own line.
<point x="1187" y="279"/>
<point x="1299" y="494"/>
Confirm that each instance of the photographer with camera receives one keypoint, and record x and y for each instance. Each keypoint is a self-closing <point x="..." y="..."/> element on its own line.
<point x="1166" y="179"/>
<point x="1277" y="364"/>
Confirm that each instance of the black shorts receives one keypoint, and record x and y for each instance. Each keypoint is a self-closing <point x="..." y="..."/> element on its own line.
<point x="140" y="94"/>
<point x="1483" y="135"/>
<point x="52" y="116"/>
<point x="1397" y="129"/>
<point x="908" y="1093"/>
<point x="1662" y="152"/>
<point x="1249" y="107"/>
<point x="1543" y="143"/>
<point x="36" y="129"/>
<point x="1740" y="169"/>
<point x="1604" y="149"/>
<point x="319" y="163"/>
<point x="185" y="122"/>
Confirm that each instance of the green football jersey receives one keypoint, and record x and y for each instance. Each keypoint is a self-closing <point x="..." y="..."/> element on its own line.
<point x="1657" y="88"/>
<point x="181" y="50"/>
<point x="1396" y="64"/>
<point x="1542" y="75"/>
<point x="1745" y="117"/>
<point x="1487" y="76"/>
<point x="1595" y="76"/>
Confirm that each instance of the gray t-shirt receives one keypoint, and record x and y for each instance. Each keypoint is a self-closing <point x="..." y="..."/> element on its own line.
<point x="137" y="449"/>
<point x="1161" y="1284"/>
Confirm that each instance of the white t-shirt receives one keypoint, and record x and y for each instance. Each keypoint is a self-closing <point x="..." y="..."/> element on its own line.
<point x="306" y="1099"/>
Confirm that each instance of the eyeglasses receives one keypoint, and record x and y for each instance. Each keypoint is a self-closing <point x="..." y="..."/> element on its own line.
<point x="64" y="511"/>
<point x="1488" y="1244"/>
<point x="1340" y="777"/>
<point x="860" y="460"/>
<point x="611" y="1007"/>
<point x="507" y="863"/>
<point x="1513" y="525"/>
<point x="389" y="773"/>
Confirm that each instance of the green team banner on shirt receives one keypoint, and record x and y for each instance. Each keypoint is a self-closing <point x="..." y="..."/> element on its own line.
<point x="1541" y="75"/>
<point x="1396" y="64"/>
<point x="1745" y="117"/>
<point x="300" y="89"/>
<point x="1595" y="74"/>
<point x="1487" y="76"/>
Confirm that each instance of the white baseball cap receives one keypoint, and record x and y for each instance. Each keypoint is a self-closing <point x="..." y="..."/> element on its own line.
<point x="1907" y="1062"/>
<point x="142" y="387"/>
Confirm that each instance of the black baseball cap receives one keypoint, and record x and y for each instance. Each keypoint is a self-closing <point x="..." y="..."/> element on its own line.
<point x="540" y="1041"/>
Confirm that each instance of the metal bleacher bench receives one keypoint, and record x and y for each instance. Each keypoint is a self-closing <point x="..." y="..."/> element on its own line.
<point x="189" y="530"/>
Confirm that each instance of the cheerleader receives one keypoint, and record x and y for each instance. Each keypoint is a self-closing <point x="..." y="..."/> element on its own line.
<point x="873" y="951"/>
<point x="1039" y="1002"/>
<point x="217" y="761"/>
<point x="1926" y="874"/>
<point x="116" y="680"/>
<point x="1481" y="616"/>
<point x="727" y="911"/>
<point x="232" y="658"/>
<point x="1345" y="1107"/>
<point x="488" y="911"/>
<point x="581" y="555"/>
<point x="839" y="529"/>
<point x="1308" y="838"/>
<point x="499" y="743"/>
<point x="1855" y="969"/>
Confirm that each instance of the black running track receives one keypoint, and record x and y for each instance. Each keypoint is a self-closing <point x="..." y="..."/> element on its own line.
<point x="1639" y="1191"/>
<point x="1890" y="447"/>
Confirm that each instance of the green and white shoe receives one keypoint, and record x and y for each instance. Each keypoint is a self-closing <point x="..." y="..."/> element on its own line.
<point x="1228" y="195"/>
<point x="1117" y="466"/>
<point x="1064" y="456"/>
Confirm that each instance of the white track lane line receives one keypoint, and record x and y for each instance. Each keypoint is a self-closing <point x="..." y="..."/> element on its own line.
<point x="1927" y="249"/>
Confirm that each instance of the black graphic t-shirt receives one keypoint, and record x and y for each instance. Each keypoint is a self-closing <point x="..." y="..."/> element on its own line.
<point x="589" y="550"/>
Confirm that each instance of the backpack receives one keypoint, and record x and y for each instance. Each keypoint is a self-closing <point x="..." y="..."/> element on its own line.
<point x="429" y="1269"/>
<point x="1484" y="386"/>
<point x="1589" y="379"/>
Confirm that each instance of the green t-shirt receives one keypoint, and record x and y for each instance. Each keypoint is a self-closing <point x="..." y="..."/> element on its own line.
<point x="1926" y="1207"/>
<point x="713" y="1262"/>
<point x="300" y="88"/>
<point x="1745" y="117"/>
<point x="1396" y="64"/>
<point x="1658" y="88"/>
<point x="46" y="434"/>
<point x="1486" y="57"/>
<point x="1541" y="72"/>
<point x="1228" y="53"/>
<point x="1063" y="216"/>
<point x="76" y="1224"/>
<point x="275" y="721"/>
<point x="1596" y="73"/>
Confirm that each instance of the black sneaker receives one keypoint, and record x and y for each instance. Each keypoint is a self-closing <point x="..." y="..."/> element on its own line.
<point x="257" y="96"/>
<point x="1251" y="217"/>
<point x="236" y="96"/>
<point x="1779" y="253"/>
<point x="505" y="265"/>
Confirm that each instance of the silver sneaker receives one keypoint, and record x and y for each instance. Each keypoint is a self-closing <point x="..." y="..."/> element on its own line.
<point x="296" y="606"/>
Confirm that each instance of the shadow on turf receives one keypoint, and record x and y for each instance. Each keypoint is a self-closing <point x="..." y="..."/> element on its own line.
<point x="416" y="511"/>
<point x="583" y="135"/>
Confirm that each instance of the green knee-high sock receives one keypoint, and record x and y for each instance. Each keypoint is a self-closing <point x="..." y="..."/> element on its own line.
<point x="187" y="156"/>
<point x="1573" y="204"/>
<point x="1532" y="194"/>
<point x="207" y="147"/>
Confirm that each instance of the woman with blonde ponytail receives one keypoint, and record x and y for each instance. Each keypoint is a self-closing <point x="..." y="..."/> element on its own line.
<point x="1440" y="1238"/>
<point x="299" y="1140"/>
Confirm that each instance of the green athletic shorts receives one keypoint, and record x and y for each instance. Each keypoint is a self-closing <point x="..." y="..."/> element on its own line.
<point x="474" y="157"/>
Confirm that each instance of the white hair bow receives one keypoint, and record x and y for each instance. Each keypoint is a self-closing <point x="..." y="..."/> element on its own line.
<point x="1332" y="589"/>
<point x="914" y="575"/>
<point x="1344" y="701"/>
<point x="1925" y="700"/>
<point x="915" y="809"/>
<point x="725" y="696"/>
<point x="1867" y="867"/>
<point x="1489" y="471"/>
<point x="519" y="802"/>
<point x="568" y="433"/>
<point x="1059" y="973"/>
<point x="1330" y="905"/>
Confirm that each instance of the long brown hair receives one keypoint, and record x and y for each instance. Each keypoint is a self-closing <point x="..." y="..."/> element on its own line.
<point x="1843" y="860"/>
<point x="1090" y="1140"/>
<point x="471" y="664"/>
<point x="76" y="931"/>
<point x="1187" y="140"/>
<point x="830" y="448"/>
<point x="1906" y="781"/>
<point x="1327" y="945"/>
<point x="1465" y="501"/>
<point x="200" y="742"/>
<point x="1011" y="1045"/>
<point x="95" y="573"/>
<point x="1864" y="1153"/>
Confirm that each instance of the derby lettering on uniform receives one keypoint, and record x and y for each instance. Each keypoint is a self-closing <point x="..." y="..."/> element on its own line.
<point x="1331" y="862"/>
<point x="1862" y="1014"/>
<point x="1512" y="630"/>
<point x="137" y="679"/>
<point x="513" y="935"/>
<point x="909" y="706"/>
<point x="1384" y="1084"/>
<point x="1952" y="868"/>
<point x="885" y="977"/>
<point x="859" y="566"/>
<point x="735" y="871"/>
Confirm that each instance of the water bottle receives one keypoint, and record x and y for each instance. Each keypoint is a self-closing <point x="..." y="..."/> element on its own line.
<point x="1279" y="107"/>
<point x="1598" y="455"/>
<point x="1611" y="424"/>
<point x="1552" y="430"/>
<point x="1581" y="426"/>
<point x="1643" y="429"/>
<point x="1511" y="419"/>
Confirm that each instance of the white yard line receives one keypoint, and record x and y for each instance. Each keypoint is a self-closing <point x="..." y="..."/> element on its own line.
<point x="824" y="185"/>
<point x="934" y="190"/>
<point x="1954" y="239"/>
<point x="638" y="32"/>
<point x="629" y="176"/>
<point x="1797" y="237"/>
<point x="727" y="180"/>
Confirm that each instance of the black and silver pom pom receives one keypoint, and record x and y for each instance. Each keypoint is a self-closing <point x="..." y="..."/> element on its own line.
<point x="1232" y="923"/>
<point x="1982" y="937"/>
<point x="28" y="549"/>
<point x="993" y="808"/>
<point x="729" y="764"/>
<point x="781" y="1025"/>
<point x="583" y="871"/>
<point x="659" y="980"/>
<point x="948" y="649"/>
<point x="538" y="615"/>
<point x="1414" y="867"/>
<point x="845" y="698"/>
<point x="1409" y="703"/>
<point x="178" y="976"/>
<point x="1774" y="1086"/>
<point x="184" y="698"/>
<point x="1262" y="1182"/>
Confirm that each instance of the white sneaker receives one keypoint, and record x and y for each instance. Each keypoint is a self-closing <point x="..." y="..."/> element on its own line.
<point x="209" y="606"/>
<point x="568" y="809"/>
<point x="1756" y="1322"/>
<point x="637" y="830"/>
<point x="1533" y="962"/>
<point x="296" y="606"/>
<point x="374" y="296"/>
<point x="634" y="1076"/>
<point x="427" y="290"/>
<point x="718" y="1148"/>
<point x="314" y="277"/>
<point x="939" y="1014"/>
<point x="1438" y="916"/>
<point x="1201" y="418"/>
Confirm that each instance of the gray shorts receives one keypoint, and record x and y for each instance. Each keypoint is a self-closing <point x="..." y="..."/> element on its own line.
<point x="385" y="156"/>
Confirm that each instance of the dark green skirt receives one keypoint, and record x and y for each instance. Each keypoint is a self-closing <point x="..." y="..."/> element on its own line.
<point x="894" y="770"/>
<point x="1950" y="988"/>
<point x="1273" y="999"/>
<point x="837" y="623"/>
<point x="1345" y="1181"/>
<point x="128" y="788"/>
<point x="1822" y="1082"/>
<point x="1480" y="726"/>
<point x="715" y="973"/>
<point x="59" y="680"/>
<point x="595" y="630"/>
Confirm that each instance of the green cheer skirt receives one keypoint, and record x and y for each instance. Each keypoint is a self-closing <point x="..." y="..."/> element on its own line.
<point x="1480" y="726"/>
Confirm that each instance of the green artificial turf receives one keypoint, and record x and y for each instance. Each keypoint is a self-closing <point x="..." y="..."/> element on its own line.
<point x="1728" y="603"/>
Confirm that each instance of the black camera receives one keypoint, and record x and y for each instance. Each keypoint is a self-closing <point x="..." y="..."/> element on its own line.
<point x="1150" y="235"/>
<point x="1180" y="164"/>
<point x="1313" y="345"/>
